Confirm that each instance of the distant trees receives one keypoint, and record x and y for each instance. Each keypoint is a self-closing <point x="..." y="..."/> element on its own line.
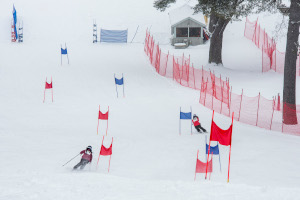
<point x="292" y="46"/>
<point x="221" y="12"/>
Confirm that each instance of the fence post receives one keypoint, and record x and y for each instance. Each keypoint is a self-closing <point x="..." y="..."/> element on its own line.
<point x="275" y="58"/>
<point x="167" y="64"/>
<point x="201" y="91"/>
<point x="173" y="67"/>
<point x="278" y="102"/>
<point x="212" y="99"/>
<point x="202" y="72"/>
<point x="241" y="105"/>
<point x="254" y="31"/>
<point x="205" y="91"/>
<point x="257" y="108"/>
<point x="272" y="113"/>
<point x="222" y="90"/>
<point x="194" y="76"/>
<point x="230" y="100"/>
<point x="262" y="59"/>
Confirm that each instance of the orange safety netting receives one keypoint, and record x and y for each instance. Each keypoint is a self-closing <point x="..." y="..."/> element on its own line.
<point x="216" y="93"/>
<point x="272" y="59"/>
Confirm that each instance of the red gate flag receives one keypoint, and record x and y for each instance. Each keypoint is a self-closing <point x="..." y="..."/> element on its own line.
<point x="106" y="151"/>
<point x="223" y="137"/>
<point x="48" y="85"/>
<point x="220" y="135"/>
<point x="103" y="116"/>
<point x="201" y="166"/>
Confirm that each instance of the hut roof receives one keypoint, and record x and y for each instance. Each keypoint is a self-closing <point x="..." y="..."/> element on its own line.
<point x="184" y="12"/>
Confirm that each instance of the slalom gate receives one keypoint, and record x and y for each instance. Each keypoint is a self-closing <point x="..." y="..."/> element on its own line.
<point x="272" y="59"/>
<point x="216" y="93"/>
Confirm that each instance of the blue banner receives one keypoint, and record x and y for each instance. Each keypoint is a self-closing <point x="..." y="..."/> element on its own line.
<point x="213" y="150"/>
<point x="113" y="36"/>
<point x="185" y="115"/>
<point x="119" y="81"/>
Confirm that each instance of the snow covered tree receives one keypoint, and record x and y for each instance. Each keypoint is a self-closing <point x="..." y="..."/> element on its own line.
<point x="292" y="45"/>
<point x="221" y="12"/>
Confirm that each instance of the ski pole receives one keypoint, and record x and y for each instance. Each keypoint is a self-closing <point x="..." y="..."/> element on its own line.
<point x="71" y="159"/>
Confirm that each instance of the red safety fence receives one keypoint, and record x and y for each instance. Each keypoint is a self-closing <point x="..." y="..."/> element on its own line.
<point x="272" y="59"/>
<point x="216" y="93"/>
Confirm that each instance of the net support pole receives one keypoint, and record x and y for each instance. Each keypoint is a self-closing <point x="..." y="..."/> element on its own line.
<point x="212" y="98"/>
<point x="107" y="120"/>
<point x="100" y="151"/>
<point x="257" y="109"/>
<point x="230" y="150"/>
<point x="196" y="165"/>
<point x="209" y="146"/>
<point x="116" y="86"/>
<point x="45" y="91"/>
<point x="240" y="105"/>
<point x="67" y="53"/>
<point x="191" y="121"/>
<point x="60" y="55"/>
<point x="173" y="67"/>
<point x="166" y="64"/>
<point x="212" y="155"/>
<point x="275" y="58"/>
<point x="230" y="100"/>
<point x="135" y="33"/>
<point x="194" y="76"/>
<point x="180" y="122"/>
<point x="219" y="157"/>
<point x="112" y="140"/>
<point x="272" y="113"/>
<point x="123" y="86"/>
<point x="52" y="89"/>
<point x="98" y="120"/>
<point x="205" y="90"/>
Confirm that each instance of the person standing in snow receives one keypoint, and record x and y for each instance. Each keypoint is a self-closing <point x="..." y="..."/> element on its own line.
<point x="86" y="158"/>
<point x="197" y="124"/>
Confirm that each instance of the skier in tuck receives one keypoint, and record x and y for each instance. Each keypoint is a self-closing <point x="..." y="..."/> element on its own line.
<point x="86" y="158"/>
<point x="197" y="124"/>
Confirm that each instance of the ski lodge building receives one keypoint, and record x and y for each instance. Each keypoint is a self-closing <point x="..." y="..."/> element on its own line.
<point x="187" y="28"/>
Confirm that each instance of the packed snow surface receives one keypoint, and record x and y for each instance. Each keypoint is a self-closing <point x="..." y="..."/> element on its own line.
<point x="150" y="160"/>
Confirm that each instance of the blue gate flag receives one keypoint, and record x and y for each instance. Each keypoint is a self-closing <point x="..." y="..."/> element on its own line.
<point x="119" y="81"/>
<point x="185" y="115"/>
<point x="213" y="150"/>
<point x="15" y="15"/>
<point x="15" y="20"/>
<point x="64" y="51"/>
<point x="115" y="36"/>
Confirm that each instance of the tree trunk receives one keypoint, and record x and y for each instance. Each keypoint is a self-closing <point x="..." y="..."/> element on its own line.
<point x="212" y="22"/>
<point x="215" y="49"/>
<point x="289" y="89"/>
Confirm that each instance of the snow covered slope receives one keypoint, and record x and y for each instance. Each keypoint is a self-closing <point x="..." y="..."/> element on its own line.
<point x="150" y="160"/>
